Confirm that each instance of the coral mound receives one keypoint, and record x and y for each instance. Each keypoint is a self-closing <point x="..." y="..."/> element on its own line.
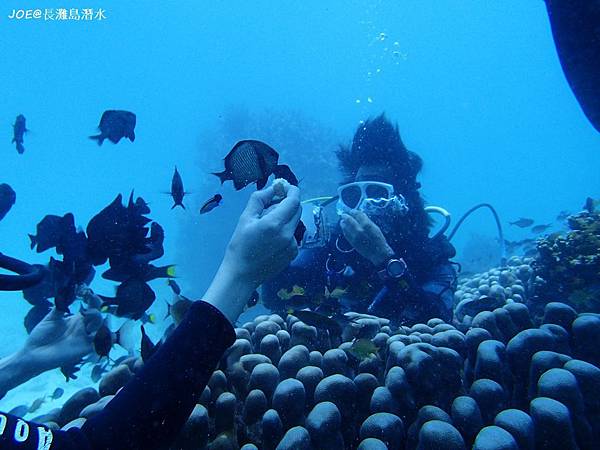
<point x="284" y="384"/>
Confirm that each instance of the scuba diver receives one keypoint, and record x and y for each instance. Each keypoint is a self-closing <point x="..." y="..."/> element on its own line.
<point x="378" y="258"/>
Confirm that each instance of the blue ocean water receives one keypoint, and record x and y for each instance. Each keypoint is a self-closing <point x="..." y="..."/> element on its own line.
<point x="476" y="89"/>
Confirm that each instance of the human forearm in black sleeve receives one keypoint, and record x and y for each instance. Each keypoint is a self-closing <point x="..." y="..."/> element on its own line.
<point x="150" y="410"/>
<point x="19" y="434"/>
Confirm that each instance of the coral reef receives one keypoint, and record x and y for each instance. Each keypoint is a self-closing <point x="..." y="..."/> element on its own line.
<point x="568" y="266"/>
<point x="488" y="291"/>
<point x="503" y="383"/>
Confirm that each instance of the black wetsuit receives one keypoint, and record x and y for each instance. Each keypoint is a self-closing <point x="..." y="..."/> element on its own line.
<point x="576" y="30"/>
<point x="151" y="409"/>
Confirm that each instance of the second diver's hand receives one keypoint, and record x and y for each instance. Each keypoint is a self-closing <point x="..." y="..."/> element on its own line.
<point x="366" y="237"/>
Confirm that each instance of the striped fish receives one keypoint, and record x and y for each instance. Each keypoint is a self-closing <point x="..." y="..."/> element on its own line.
<point x="249" y="161"/>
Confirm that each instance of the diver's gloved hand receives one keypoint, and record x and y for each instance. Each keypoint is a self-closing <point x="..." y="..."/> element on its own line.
<point x="262" y="245"/>
<point x="59" y="341"/>
<point x="366" y="237"/>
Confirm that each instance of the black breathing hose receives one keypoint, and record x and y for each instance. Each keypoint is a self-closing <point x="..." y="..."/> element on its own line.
<point x="27" y="275"/>
<point x="498" y="225"/>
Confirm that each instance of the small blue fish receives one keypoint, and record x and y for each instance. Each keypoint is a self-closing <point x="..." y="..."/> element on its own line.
<point x="19" y="411"/>
<point x="174" y="286"/>
<point x="211" y="204"/>
<point x="540" y="228"/>
<point x="523" y="222"/>
<point x="97" y="372"/>
<point x="36" y="404"/>
<point x="58" y="393"/>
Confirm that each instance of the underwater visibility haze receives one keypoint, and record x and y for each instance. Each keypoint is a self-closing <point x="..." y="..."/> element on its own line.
<point x="300" y="225"/>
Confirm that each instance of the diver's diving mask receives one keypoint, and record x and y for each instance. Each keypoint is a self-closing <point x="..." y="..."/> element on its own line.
<point x="374" y="198"/>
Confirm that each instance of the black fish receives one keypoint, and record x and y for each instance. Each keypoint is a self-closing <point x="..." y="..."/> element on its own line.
<point x="144" y="272"/>
<point x="69" y="372"/>
<point x="36" y="315"/>
<point x="540" y="228"/>
<point x="19" y="130"/>
<point x="115" y="125"/>
<point x="284" y="171"/>
<point x="177" y="191"/>
<point x="60" y="232"/>
<point x="62" y="277"/>
<point x="178" y="309"/>
<point x="127" y="265"/>
<point x="299" y="232"/>
<point x="575" y="30"/>
<point x="132" y="299"/>
<point x="103" y="341"/>
<point x="64" y="296"/>
<point x="211" y="204"/>
<point x="154" y="244"/>
<point x="41" y="292"/>
<point x="147" y="348"/>
<point x="522" y="222"/>
<point x="119" y="231"/>
<point x="249" y="162"/>
<point x="52" y="231"/>
<point x="174" y="286"/>
<point x="7" y="199"/>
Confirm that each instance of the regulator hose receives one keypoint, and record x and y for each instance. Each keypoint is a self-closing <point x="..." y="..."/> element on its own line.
<point x="498" y="225"/>
<point x="27" y="274"/>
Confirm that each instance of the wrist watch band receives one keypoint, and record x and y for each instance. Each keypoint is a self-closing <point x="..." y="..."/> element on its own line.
<point x="394" y="269"/>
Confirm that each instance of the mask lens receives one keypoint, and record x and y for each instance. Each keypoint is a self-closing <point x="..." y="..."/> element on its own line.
<point x="351" y="196"/>
<point x="377" y="191"/>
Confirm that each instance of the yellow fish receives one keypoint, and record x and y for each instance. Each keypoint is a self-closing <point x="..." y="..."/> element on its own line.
<point x="337" y="293"/>
<point x="363" y="348"/>
<point x="284" y="294"/>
